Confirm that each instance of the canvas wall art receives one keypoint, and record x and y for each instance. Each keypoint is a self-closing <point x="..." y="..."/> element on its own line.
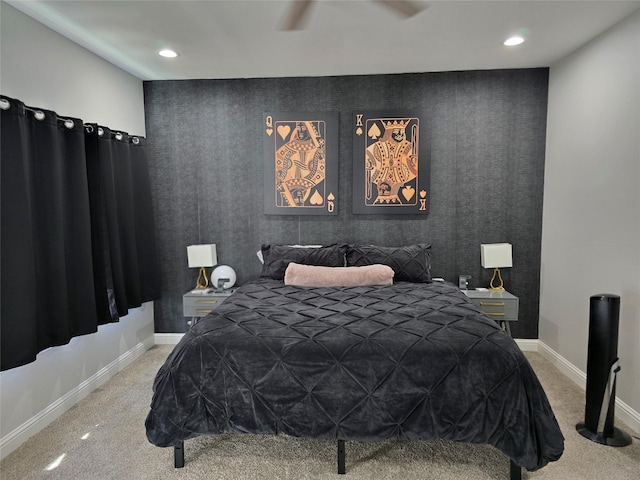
<point x="390" y="163"/>
<point x="301" y="163"/>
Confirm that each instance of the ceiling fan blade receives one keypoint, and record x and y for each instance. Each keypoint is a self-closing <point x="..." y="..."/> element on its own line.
<point x="296" y="15"/>
<point x="405" y="7"/>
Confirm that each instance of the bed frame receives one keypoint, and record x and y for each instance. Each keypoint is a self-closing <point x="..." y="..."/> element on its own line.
<point x="515" y="472"/>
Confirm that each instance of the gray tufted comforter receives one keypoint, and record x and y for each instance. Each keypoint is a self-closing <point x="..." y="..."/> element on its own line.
<point x="408" y="361"/>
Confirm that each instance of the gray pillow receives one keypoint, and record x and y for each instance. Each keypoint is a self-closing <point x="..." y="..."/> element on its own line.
<point x="278" y="257"/>
<point x="410" y="264"/>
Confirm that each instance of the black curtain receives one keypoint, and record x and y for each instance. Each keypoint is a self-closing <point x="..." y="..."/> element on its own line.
<point x="124" y="244"/>
<point x="77" y="230"/>
<point x="147" y="259"/>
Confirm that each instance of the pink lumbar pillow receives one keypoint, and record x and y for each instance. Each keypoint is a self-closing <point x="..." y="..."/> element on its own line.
<point x="317" y="276"/>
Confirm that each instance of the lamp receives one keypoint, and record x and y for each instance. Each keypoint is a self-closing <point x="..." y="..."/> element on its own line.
<point x="223" y="277"/>
<point x="202" y="256"/>
<point x="496" y="256"/>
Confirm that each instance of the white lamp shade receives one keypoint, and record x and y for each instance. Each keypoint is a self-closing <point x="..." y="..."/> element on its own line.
<point x="496" y="255"/>
<point x="202" y="255"/>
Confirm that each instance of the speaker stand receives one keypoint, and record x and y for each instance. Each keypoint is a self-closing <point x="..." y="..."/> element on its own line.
<point x="618" y="439"/>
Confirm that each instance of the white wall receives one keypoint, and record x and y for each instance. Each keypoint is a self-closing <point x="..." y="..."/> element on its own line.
<point x="43" y="69"/>
<point x="591" y="217"/>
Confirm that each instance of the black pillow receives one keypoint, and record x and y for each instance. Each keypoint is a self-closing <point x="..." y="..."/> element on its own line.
<point x="277" y="257"/>
<point x="410" y="264"/>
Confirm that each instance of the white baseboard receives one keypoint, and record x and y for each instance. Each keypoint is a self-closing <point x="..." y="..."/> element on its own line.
<point x="167" y="338"/>
<point x="19" y="435"/>
<point x="527" y="345"/>
<point x="569" y="369"/>
<point x="623" y="411"/>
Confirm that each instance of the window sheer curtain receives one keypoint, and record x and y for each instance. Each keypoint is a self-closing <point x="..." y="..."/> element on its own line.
<point x="77" y="233"/>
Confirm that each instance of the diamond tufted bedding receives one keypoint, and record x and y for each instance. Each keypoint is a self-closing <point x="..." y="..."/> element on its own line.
<point x="414" y="361"/>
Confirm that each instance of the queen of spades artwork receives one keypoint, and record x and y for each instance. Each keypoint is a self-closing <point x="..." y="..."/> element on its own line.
<point x="300" y="166"/>
<point x="301" y="169"/>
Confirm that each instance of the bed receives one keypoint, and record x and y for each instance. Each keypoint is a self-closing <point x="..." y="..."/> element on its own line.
<point x="411" y="359"/>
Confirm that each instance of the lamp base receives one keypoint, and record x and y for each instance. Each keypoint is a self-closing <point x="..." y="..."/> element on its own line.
<point x="203" y="281"/>
<point x="500" y="286"/>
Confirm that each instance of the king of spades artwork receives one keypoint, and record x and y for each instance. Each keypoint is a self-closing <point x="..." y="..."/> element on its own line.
<point x="301" y="169"/>
<point x="391" y="166"/>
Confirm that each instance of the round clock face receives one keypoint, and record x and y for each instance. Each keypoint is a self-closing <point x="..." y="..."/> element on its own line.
<point x="223" y="272"/>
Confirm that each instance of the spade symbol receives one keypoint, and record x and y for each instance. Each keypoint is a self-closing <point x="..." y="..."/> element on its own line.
<point x="316" y="198"/>
<point x="374" y="132"/>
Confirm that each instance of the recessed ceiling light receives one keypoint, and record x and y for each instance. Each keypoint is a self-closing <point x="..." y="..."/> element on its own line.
<point x="513" y="41"/>
<point x="168" y="53"/>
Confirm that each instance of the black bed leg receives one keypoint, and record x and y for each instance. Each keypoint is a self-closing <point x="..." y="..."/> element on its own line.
<point x="515" y="471"/>
<point x="178" y="455"/>
<point x="341" y="467"/>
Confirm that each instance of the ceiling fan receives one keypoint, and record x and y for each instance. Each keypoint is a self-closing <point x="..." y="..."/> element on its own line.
<point x="299" y="8"/>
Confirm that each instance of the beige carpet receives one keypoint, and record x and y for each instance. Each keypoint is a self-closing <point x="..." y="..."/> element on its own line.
<point x="103" y="437"/>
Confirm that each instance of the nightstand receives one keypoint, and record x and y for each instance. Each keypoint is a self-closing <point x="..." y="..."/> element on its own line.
<point x="196" y="304"/>
<point x="501" y="306"/>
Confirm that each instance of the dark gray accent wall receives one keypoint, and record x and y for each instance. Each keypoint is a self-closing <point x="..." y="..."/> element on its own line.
<point x="486" y="131"/>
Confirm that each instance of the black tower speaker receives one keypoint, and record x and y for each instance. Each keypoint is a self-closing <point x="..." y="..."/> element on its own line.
<point x="602" y="366"/>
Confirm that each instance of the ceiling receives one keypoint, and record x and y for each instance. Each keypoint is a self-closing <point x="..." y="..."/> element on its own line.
<point x="245" y="39"/>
